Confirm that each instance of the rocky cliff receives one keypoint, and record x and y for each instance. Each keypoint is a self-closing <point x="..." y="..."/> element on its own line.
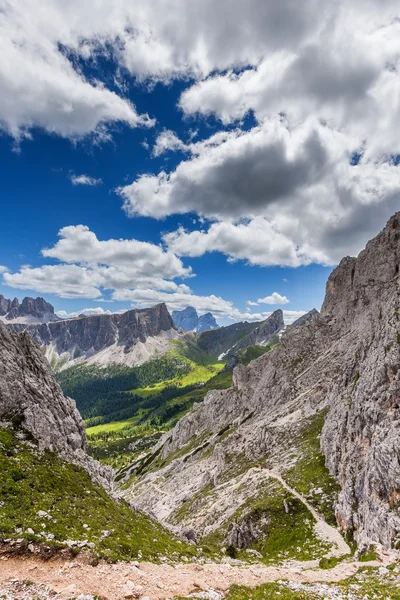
<point x="230" y="339"/>
<point x="30" y="310"/>
<point x="129" y="338"/>
<point x="32" y="402"/>
<point x="341" y="370"/>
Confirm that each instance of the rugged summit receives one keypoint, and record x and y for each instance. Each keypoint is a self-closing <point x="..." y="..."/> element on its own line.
<point x="129" y="338"/>
<point x="32" y="401"/>
<point x="30" y="310"/>
<point x="340" y="369"/>
<point x="229" y="339"/>
<point x="188" y="320"/>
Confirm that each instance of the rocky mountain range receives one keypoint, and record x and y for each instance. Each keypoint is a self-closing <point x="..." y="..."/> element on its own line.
<point x="230" y="339"/>
<point x="189" y="320"/>
<point x="30" y="310"/>
<point x="128" y="338"/>
<point x="329" y="393"/>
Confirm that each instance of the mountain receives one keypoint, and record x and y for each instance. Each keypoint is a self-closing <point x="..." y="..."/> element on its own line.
<point x="129" y="338"/>
<point x="188" y="320"/>
<point x="319" y="416"/>
<point x="30" y="310"/>
<point x="185" y="319"/>
<point x="206" y="322"/>
<point x="229" y="339"/>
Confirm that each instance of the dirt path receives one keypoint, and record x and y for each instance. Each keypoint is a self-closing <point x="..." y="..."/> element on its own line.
<point x="123" y="580"/>
<point x="322" y="528"/>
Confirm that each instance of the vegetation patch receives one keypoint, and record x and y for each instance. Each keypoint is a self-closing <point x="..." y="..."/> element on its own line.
<point x="367" y="583"/>
<point x="310" y="476"/>
<point x="116" y="444"/>
<point x="45" y="499"/>
<point x="284" y="525"/>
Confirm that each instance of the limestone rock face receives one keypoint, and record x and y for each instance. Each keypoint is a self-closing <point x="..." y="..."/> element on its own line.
<point x="31" y="400"/>
<point x="345" y="361"/>
<point x="31" y="310"/>
<point x="106" y="339"/>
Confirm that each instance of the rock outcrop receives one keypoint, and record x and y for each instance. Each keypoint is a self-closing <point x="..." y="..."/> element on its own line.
<point x="188" y="320"/>
<point x="129" y="338"/>
<point x="30" y="310"/>
<point x="345" y="361"/>
<point x="32" y="401"/>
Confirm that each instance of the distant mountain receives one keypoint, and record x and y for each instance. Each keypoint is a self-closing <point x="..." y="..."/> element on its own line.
<point x="130" y="338"/>
<point x="206" y="322"/>
<point x="189" y="320"/>
<point x="30" y="310"/>
<point x="227" y="340"/>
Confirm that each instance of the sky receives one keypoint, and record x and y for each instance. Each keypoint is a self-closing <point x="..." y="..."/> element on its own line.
<point x="220" y="155"/>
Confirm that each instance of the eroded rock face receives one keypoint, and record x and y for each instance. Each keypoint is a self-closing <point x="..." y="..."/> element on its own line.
<point x="31" y="310"/>
<point x="31" y="400"/>
<point x="116" y="336"/>
<point x="345" y="360"/>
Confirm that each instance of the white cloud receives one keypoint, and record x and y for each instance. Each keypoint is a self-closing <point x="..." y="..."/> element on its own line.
<point x="41" y="87"/>
<point x="258" y="242"/>
<point x="89" y="266"/>
<point x="317" y="100"/>
<point x="85" y="180"/>
<point x="274" y="298"/>
<point x="41" y="44"/>
<point x="3" y="269"/>
<point x="251" y="303"/>
<point x="87" y="312"/>
<point x="168" y="141"/>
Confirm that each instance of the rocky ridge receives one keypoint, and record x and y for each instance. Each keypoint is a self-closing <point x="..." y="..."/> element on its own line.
<point x="30" y="310"/>
<point x="129" y="338"/>
<point x="342" y="366"/>
<point x="231" y="338"/>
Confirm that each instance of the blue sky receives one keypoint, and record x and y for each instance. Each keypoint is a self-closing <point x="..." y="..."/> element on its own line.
<point x="232" y="162"/>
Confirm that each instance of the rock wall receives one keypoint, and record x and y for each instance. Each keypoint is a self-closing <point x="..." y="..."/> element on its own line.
<point x="32" y="401"/>
<point x="85" y="337"/>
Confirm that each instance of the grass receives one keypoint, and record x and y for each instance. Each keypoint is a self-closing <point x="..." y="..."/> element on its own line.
<point x="252" y="352"/>
<point x="78" y="508"/>
<point x="111" y="443"/>
<point x="282" y="535"/>
<point x="367" y="583"/>
<point x="310" y="473"/>
<point x="198" y="374"/>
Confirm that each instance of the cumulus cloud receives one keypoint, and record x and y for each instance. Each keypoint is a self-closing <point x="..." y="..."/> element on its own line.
<point x="85" y="180"/>
<point x="42" y="84"/>
<point x="41" y="87"/>
<point x="232" y="174"/>
<point x="168" y="141"/>
<point x="274" y="298"/>
<point x="258" y="242"/>
<point x="89" y="265"/>
<point x="317" y="175"/>
<point x="3" y="269"/>
<point x="87" y="312"/>
<point x="251" y="303"/>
